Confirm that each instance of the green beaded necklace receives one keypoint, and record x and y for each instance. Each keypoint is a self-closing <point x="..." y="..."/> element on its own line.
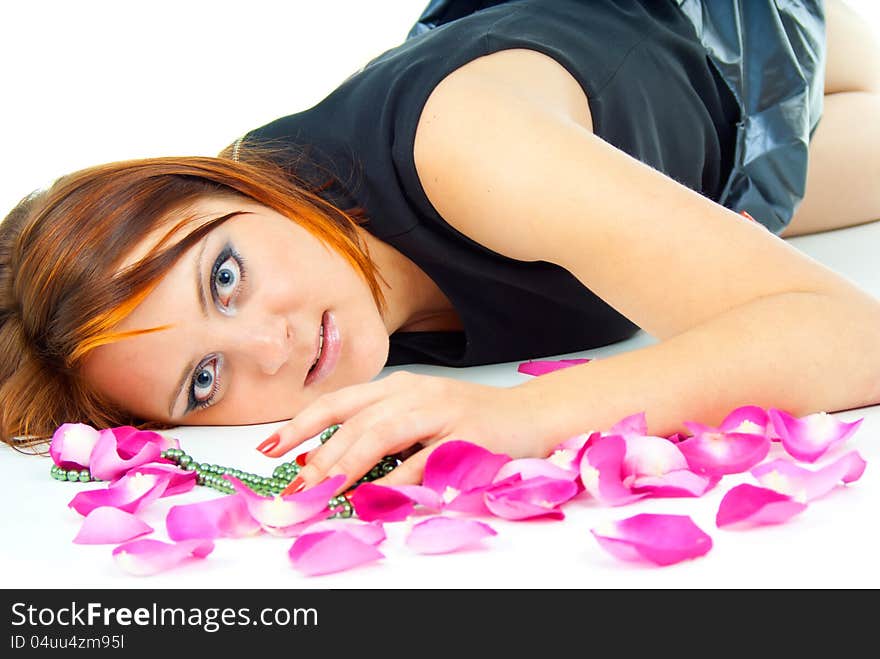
<point x="211" y="475"/>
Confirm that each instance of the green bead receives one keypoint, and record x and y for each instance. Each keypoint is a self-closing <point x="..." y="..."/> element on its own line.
<point x="184" y="460"/>
<point x="84" y="476"/>
<point x="204" y="466"/>
<point x="73" y="475"/>
<point x="190" y="466"/>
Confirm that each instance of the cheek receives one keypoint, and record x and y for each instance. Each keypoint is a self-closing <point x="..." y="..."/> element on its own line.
<point x="370" y="352"/>
<point x="127" y="380"/>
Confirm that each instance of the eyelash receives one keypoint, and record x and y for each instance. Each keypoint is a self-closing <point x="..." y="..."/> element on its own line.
<point x="225" y="254"/>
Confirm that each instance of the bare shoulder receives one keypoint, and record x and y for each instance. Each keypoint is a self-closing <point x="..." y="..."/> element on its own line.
<point x="515" y="84"/>
<point x="507" y="156"/>
<point x="529" y="74"/>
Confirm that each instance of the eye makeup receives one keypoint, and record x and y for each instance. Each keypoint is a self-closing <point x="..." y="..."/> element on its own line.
<point x="231" y="264"/>
<point x="227" y="272"/>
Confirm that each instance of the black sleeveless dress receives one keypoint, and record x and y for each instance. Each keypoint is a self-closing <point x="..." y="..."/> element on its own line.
<point x="653" y="93"/>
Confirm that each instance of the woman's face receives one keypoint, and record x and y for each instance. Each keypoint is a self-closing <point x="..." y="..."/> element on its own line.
<point x="246" y="303"/>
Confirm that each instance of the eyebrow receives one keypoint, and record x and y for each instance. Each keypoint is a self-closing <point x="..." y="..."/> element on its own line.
<point x="203" y="305"/>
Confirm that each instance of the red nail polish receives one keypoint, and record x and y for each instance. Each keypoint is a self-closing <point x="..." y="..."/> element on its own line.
<point x="302" y="458"/>
<point x="269" y="444"/>
<point x="295" y="486"/>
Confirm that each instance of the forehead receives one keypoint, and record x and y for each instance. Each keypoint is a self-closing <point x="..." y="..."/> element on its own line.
<point x="186" y="218"/>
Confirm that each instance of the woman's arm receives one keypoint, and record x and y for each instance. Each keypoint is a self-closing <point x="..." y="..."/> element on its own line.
<point x="742" y="317"/>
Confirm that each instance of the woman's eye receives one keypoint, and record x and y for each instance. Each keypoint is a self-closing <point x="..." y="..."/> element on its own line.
<point x="204" y="382"/>
<point x="226" y="280"/>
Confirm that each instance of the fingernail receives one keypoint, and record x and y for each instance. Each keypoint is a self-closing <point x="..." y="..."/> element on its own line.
<point x="269" y="444"/>
<point x="295" y="486"/>
<point x="302" y="458"/>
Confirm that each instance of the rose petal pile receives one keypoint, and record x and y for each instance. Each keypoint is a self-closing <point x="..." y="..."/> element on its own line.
<point x="461" y="481"/>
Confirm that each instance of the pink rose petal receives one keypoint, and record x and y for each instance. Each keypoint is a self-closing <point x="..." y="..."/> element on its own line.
<point x="461" y="466"/>
<point x="223" y="517"/>
<point x="145" y="557"/>
<point x="601" y="472"/>
<point x="677" y="483"/>
<point x="576" y="444"/>
<point x="377" y="502"/>
<point x="372" y="533"/>
<point x="130" y="440"/>
<point x="808" y="438"/>
<point x="108" y="462"/>
<point x="719" y="453"/>
<point x="474" y="501"/>
<point x="634" y="424"/>
<point x="540" y="367"/>
<point x="651" y="456"/>
<point x="804" y="484"/>
<point x="460" y="472"/>
<point x="391" y="503"/>
<point x="108" y="525"/>
<point x="532" y="467"/>
<point x="660" y="539"/>
<point x="748" y="419"/>
<point x="330" y="551"/>
<point x="442" y="535"/>
<point x="179" y="480"/>
<point x="748" y="505"/>
<point x="533" y="497"/>
<point x="130" y="493"/>
<point x="276" y="513"/>
<point x="423" y="496"/>
<point x="72" y="444"/>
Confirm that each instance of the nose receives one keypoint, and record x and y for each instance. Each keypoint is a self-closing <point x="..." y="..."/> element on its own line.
<point x="267" y="342"/>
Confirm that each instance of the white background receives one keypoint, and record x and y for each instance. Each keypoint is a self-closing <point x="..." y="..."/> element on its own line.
<point x="87" y="82"/>
<point x="93" y="81"/>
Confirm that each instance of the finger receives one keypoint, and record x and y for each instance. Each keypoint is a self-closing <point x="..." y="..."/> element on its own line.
<point x="390" y="432"/>
<point x="411" y="470"/>
<point x="326" y="410"/>
<point x="385" y="438"/>
<point x="322" y="458"/>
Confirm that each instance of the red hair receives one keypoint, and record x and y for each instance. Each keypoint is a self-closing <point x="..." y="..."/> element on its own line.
<point x="60" y="248"/>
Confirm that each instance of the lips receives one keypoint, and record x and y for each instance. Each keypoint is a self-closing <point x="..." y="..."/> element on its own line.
<point x="329" y="351"/>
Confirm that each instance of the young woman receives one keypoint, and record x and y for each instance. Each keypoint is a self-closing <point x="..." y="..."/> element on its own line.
<point x="513" y="182"/>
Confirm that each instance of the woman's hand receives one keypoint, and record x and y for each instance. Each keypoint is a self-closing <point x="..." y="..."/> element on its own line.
<point x="407" y="411"/>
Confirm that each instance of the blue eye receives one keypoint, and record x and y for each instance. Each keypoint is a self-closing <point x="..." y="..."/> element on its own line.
<point x="227" y="276"/>
<point x="227" y="281"/>
<point x="205" y="382"/>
